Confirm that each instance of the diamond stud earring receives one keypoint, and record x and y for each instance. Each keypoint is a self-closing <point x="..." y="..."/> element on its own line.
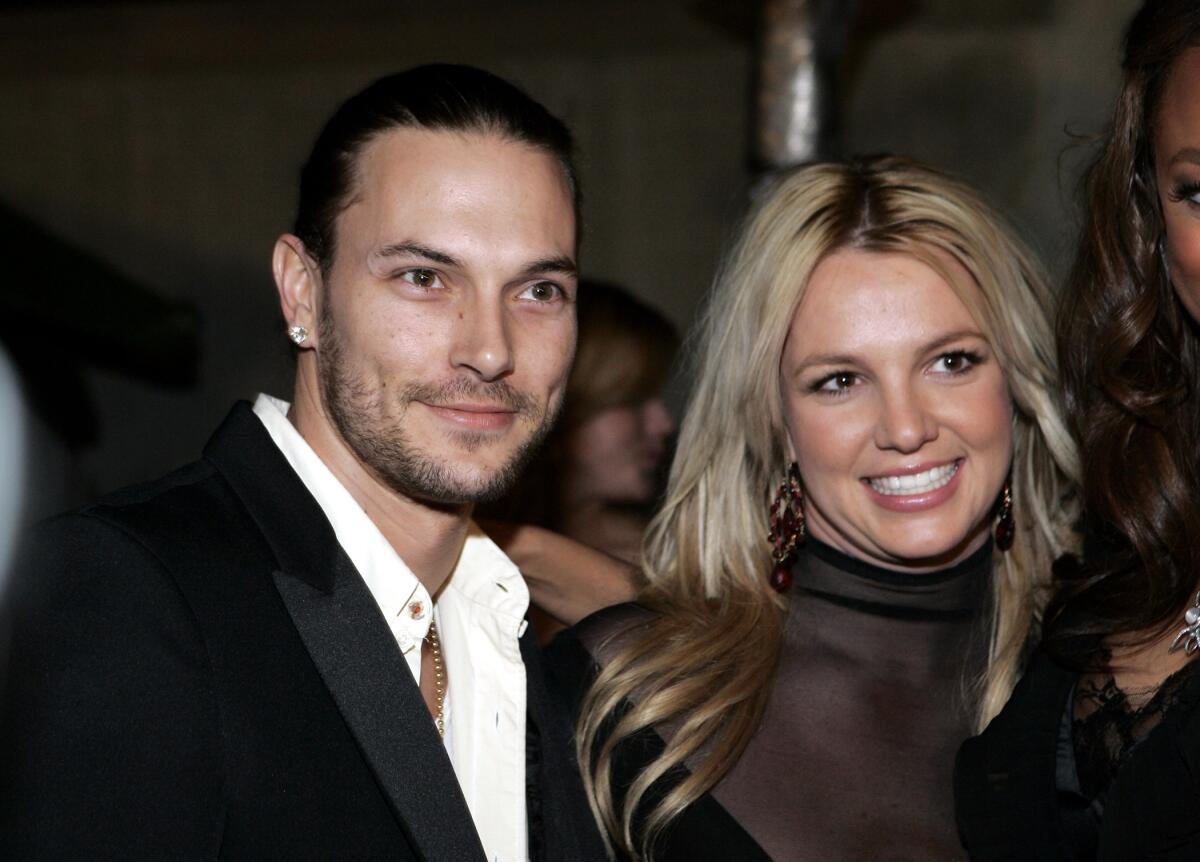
<point x="298" y="334"/>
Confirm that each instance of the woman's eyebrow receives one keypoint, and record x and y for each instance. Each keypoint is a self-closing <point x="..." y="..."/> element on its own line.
<point x="1187" y="154"/>
<point x="814" y="359"/>
<point x="943" y="340"/>
<point x="827" y="359"/>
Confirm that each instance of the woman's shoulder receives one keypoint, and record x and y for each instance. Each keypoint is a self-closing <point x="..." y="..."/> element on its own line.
<point x="604" y="633"/>
<point x="576" y="655"/>
<point x="1027" y="725"/>
<point x="1004" y="778"/>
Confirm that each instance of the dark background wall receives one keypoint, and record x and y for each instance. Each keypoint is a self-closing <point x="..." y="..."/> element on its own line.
<point x="165" y="138"/>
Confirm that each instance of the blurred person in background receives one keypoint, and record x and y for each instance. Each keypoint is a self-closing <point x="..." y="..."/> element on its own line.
<point x="607" y="455"/>
<point x="602" y="469"/>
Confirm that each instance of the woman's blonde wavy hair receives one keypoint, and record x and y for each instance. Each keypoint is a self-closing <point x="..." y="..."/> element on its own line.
<point x="699" y="671"/>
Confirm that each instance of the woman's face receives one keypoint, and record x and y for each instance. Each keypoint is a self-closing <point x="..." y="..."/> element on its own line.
<point x="1177" y="169"/>
<point x="897" y="412"/>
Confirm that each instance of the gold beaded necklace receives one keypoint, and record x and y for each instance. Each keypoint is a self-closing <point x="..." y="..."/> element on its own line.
<point x="439" y="678"/>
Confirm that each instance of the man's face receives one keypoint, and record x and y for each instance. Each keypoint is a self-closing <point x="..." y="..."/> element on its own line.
<point x="447" y="320"/>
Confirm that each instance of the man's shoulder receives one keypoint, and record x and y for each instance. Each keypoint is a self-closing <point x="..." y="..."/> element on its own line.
<point x="131" y="528"/>
<point x="187" y="518"/>
<point x="192" y="503"/>
<point x="141" y="497"/>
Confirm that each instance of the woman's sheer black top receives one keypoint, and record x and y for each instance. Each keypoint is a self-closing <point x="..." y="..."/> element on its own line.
<point x="869" y="703"/>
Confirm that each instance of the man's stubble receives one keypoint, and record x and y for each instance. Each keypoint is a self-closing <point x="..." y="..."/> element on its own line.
<point x="359" y="413"/>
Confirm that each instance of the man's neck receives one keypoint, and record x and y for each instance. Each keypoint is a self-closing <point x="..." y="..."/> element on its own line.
<point x="428" y="539"/>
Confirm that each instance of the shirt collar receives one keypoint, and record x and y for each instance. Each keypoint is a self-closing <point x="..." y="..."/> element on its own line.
<point x="483" y="574"/>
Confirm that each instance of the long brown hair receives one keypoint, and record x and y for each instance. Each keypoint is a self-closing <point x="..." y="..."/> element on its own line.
<point x="1130" y="362"/>
<point x="699" y="671"/>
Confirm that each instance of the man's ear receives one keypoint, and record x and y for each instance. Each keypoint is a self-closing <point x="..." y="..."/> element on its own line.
<point x="298" y="279"/>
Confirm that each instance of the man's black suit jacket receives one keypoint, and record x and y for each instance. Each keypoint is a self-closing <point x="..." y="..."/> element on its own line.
<point x="198" y="672"/>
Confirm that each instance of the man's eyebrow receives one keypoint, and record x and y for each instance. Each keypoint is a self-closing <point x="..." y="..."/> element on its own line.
<point x="1187" y="154"/>
<point x="562" y="265"/>
<point x="415" y="249"/>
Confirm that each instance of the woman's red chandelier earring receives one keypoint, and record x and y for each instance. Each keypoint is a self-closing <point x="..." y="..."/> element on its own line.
<point x="1006" y="530"/>
<point x="787" y="528"/>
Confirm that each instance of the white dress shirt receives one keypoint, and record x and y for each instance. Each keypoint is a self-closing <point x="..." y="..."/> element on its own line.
<point x="480" y="616"/>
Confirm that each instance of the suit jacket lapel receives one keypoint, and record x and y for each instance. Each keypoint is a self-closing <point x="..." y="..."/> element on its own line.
<point x="349" y="641"/>
<point x="364" y="671"/>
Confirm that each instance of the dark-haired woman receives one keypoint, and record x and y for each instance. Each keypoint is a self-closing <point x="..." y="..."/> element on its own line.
<point x="1097" y="754"/>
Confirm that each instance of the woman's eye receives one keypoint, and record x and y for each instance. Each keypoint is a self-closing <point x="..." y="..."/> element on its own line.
<point x="955" y="363"/>
<point x="426" y="279"/>
<point x="835" y="383"/>
<point x="543" y="291"/>
<point x="1186" y="190"/>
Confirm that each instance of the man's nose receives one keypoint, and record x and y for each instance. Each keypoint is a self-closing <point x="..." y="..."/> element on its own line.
<point x="482" y="342"/>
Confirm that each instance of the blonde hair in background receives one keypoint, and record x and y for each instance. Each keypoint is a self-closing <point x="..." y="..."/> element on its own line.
<point x="699" y="672"/>
<point x="623" y="355"/>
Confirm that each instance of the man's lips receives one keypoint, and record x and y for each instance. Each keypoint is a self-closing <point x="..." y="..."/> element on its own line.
<point x="475" y="417"/>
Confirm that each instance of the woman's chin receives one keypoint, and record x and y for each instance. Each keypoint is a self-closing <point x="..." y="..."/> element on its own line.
<point x="926" y="551"/>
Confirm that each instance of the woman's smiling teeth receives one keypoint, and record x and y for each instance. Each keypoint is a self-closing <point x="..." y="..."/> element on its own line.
<point x="916" y="483"/>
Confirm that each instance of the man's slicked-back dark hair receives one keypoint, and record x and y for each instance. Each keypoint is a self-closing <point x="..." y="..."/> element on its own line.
<point x="437" y="97"/>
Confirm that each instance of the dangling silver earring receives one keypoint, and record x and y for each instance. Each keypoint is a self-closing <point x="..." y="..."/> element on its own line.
<point x="1189" y="636"/>
<point x="298" y="334"/>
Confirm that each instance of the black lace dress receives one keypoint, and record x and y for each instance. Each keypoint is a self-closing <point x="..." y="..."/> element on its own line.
<point x="854" y="757"/>
<point x="1076" y="769"/>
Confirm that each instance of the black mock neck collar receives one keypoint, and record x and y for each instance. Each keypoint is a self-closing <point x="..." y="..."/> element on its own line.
<point x="957" y="591"/>
<point x="872" y="572"/>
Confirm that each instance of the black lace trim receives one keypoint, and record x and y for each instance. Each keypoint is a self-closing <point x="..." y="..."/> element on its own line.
<point x="1108" y="726"/>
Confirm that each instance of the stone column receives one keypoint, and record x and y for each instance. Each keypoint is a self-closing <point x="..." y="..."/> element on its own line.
<point x="800" y="43"/>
